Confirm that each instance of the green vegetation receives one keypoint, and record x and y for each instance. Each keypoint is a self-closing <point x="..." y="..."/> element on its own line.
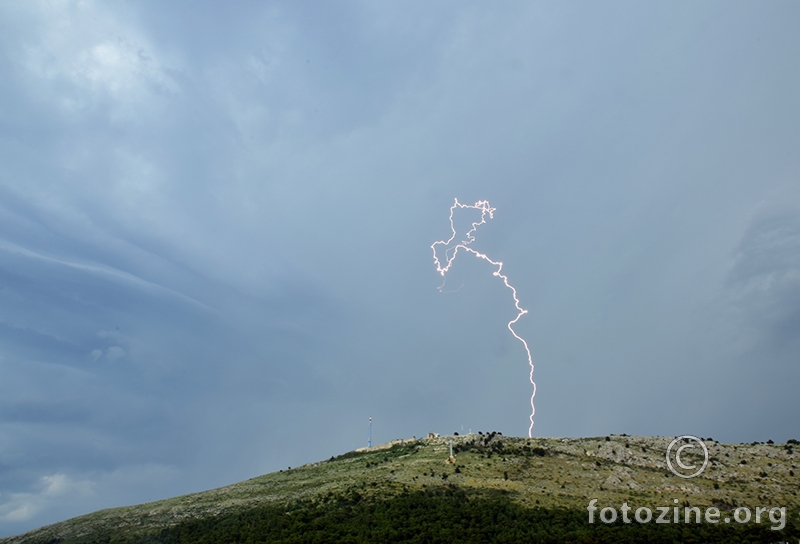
<point x="500" y="489"/>
<point x="446" y="516"/>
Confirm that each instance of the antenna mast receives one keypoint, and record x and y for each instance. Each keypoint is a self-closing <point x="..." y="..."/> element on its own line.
<point x="369" y="437"/>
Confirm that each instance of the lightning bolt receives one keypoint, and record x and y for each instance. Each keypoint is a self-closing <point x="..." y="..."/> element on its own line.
<point x="450" y="256"/>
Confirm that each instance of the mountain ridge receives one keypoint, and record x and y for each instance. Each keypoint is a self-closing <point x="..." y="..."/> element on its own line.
<point x="543" y="473"/>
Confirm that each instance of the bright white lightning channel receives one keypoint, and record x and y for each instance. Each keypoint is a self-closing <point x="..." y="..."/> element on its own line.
<point x="450" y="256"/>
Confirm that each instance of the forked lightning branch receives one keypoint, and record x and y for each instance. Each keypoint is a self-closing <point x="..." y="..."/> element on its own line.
<point x="450" y="253"/>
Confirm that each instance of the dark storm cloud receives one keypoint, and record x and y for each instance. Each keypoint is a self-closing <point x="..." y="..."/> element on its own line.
<point x="766" y="276"/>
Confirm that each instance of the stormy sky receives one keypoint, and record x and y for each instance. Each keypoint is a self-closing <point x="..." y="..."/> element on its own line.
<point x="216" y="220"/>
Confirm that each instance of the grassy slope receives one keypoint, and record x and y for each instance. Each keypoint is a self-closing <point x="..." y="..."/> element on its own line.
<point x="539" y="472"/>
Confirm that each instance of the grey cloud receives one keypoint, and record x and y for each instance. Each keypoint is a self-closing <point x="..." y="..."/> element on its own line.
<point x="766" y="274"/>
<point x="236" y="204"/>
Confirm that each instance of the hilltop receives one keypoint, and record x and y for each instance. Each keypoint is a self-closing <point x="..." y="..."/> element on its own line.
<point x="531" y="481"/>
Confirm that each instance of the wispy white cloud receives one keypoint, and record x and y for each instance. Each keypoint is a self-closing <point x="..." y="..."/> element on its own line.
<point x="17" y="507"/>
<point x="103" y="271"/>
<point x="98" y="51"/>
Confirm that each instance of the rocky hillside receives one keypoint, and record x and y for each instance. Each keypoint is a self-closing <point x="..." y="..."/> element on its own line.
<point x="539" y="474"/>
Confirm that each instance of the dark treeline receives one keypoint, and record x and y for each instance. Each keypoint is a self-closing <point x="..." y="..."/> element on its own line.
<point x="441" y="516"/>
